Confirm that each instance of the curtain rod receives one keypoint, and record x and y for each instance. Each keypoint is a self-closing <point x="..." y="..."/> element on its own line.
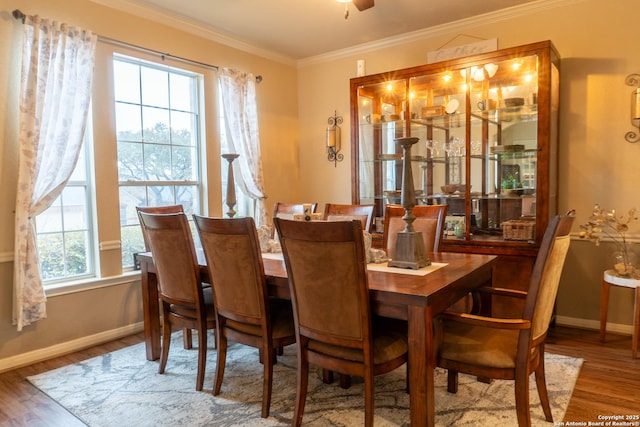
<point x="17" y="14"/>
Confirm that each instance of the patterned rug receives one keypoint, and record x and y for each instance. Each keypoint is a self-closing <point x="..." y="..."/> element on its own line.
<point x="124" y="389"/>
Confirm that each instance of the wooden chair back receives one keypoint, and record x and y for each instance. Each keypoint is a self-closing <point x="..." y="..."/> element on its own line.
<point x="429" y="220"/>
<point x="169" y="209"/>
<point x="174" y="256"/>
<point x="331" y="304"/>
<point x="232" y="250"/>
<point x="337" y="212"/>
<point x="545" y="278"/>
<point x="286" y="210"/>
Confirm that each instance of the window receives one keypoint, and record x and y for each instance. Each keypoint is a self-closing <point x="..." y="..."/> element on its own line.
<point x="64" y="232"/>
<point x="158" y="138"/>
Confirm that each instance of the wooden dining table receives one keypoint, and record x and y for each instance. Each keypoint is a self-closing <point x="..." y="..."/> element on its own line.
<point x="414" y="298"/>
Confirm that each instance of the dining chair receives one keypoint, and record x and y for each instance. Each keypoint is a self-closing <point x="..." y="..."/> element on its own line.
<point x="187" y="336"/>
<point x="337" y="212"/>
<point x="510" y="349"/>
<point x="331" y="307"/>
<point x="429" y="220"/>
<point x="185" y="303"/>
<point x="286" y="210"/>
<point x="244" y="311"/>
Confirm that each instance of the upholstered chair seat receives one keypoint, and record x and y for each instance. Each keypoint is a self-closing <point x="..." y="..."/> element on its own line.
<point x="387" y="345"/>
<point x="477" y="345"/>
<point x="281" y="321"/>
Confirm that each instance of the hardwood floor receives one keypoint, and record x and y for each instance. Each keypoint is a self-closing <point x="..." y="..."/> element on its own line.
<point x="609" y="381"/>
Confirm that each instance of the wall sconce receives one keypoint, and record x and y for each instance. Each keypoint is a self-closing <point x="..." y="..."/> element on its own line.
<point x="634" y="80"/>
<point x="334" y="140"/>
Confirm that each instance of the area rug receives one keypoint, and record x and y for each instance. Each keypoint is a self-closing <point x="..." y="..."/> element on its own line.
<point x="122" y="388"/>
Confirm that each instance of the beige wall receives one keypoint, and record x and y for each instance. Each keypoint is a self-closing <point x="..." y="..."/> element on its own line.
<point x="595" y="40"/>
<point x="597" y="45"/>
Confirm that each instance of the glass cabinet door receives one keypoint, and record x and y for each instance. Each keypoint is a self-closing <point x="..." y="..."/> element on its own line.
<point x="504" y="148"/>
<point x="438" y="117"/>
<point x="381" y="117"/>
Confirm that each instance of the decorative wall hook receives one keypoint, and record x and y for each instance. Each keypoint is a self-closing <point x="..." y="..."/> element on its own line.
<point x="334" y="139"/>
<point x="634" y="80"/>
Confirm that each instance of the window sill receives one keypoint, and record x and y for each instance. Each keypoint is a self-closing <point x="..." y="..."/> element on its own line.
<point x="59" y="289"/>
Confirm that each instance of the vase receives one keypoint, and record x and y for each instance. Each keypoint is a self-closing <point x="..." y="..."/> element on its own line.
<point x="624" y="263"/>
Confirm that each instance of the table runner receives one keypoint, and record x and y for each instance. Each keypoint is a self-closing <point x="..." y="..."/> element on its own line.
<point x="421" y="272"/>
<point x="377" y="267"/>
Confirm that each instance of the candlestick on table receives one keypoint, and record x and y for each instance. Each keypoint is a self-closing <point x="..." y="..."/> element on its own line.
<point x="410" y="251"/>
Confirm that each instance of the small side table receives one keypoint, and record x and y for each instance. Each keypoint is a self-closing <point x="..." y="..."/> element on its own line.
<point x="611" y="279"/>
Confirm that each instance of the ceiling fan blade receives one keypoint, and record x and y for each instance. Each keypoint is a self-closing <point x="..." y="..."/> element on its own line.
<point x="363" y="4"/>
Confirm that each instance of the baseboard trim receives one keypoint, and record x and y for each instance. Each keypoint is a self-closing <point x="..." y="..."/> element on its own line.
<point x="61" y="349"/>
<point x="574" y="322"/>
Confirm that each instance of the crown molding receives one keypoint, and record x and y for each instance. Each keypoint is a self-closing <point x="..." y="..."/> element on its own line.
<point x="152" y="14"/>
<point x="443" y="29"/>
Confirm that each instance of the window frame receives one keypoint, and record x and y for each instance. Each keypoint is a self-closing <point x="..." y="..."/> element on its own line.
<point x="89" y="208"/>
<point x="102" y="157"/>
<point x="199" y="138"/>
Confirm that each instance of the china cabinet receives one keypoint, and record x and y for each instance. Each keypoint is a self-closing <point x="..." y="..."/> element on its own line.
<point x="488" y="148"/>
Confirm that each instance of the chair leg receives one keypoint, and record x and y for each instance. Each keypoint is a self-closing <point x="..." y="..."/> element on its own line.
<point x="345" y="381"/>
<point x="327" y="376"/>
<point x="187" y="338"/>
<point x="522" y="398"/>
<point x="301" y="388"/>
<point x="267" y="380"/>
<point x="202" y="356"/>
<point x="369" y="399"/>
<point x="221" y="361"/>
<point x="166" y="342"/>
<point x="452" y="381"/>
<point x="541" y="384"/>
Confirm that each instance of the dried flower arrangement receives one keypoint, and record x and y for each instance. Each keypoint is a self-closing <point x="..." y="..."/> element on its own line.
<point x="615" y="227"/>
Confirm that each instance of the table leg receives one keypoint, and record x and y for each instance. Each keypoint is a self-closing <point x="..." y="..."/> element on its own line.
<point x="151" y="311"/>
<point x="421" y="367"/>
<point x="604" y="308"/>
<point x="636" y="324"/>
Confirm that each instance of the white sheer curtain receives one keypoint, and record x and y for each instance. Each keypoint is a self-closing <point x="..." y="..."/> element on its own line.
<point x="55" y="92"/>
<point x="238" y="90"/>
